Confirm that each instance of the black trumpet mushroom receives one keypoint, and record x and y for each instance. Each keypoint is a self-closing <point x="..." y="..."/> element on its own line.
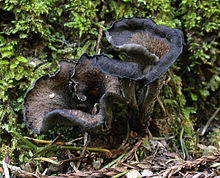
<point x="151" y="49"/>
<point x="100" y="81"/>
<point x="49" y="100"/>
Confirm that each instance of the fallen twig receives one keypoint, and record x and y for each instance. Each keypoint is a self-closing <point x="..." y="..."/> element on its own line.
<point x="18" y="171"/>
<point x="83" y="150"/>
<point x="50" y="142"/>
<point x="209" y="122"/>
<point x="189" y="164"/>
<point x="44" y="141"/>
<point x="167" y="80"/>
<point x="72" y="164"/>
<point x="130" y="152"/>
<point x="109" y="172"/>
<point x="161" y="105"/>
<point x="6" y="171"/>
<point x="162" y="138"/>
<point x="87" y="148"/>
<point x="99" y="37"/>
<point x="74" y="140"/>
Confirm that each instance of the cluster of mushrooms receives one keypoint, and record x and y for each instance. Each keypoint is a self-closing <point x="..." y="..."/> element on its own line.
<point x="98" y="81"/>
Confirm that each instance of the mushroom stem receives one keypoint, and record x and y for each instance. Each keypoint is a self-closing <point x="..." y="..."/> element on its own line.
<point x="128" y="89"/>
<point x="150" y="97"/>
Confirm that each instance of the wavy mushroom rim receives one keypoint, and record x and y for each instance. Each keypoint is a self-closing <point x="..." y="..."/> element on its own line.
<point x="115" y="67"/>
<point x="87" y="67"/>
<point x="67" y="115"/>
<point x="171" y="35"/>
<point x="91" y="120"/>
<point x="31" y="88"/>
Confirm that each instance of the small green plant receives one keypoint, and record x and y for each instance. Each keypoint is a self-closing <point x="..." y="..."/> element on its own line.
<point x="200" y="21"/>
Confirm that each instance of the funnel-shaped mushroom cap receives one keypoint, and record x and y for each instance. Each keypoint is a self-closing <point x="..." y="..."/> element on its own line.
<point x="151" y="48"/>
<point x="49" y="102"/>
<point x="93" y="86"/>
<point x="90" y="81"/>
<point x="46" y="94"/>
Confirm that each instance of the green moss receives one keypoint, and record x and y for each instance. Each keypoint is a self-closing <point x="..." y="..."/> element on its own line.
<point x="201" y="26"/>
<point x="35" y="34"/>
<point x="177" y="114"/>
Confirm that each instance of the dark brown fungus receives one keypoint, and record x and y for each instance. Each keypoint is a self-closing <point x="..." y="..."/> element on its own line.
<point x="46" y="94"/>
<point x="95" y="87"/>
<point x="90" y="81"/>
<point x="151" y="49"/>
<point x="49" y="100"/>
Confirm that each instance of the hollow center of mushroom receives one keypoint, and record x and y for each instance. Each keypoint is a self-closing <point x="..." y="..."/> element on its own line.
<point x="157" y="46"/>
<point x="93" y="93"/>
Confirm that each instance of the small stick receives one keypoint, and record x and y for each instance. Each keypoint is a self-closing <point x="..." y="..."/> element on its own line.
<point x="136" y="156"/>
<point x="83" y="150"/>
<point x="50" y="142"/>
<point x="99" y="38"/>
<point x="6" y="171"/>
<point x="162" y="138"/>
<point x="44" y="141"/>
<point x="71" y="162"/>
<point x="130" y="152"/>
<point x="167" y="80"/>
<point x="209" y="121"/>
<point x="74" y="140"/>
<point x="148" y="132"/>
<point x="129" y="166"/>
<point x="155" y="153"/>
<point x="161" y="105"/>
<point x="18" y="171"/>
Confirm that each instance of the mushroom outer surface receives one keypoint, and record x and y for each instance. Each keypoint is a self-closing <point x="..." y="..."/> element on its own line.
<point x="46" y="94"/>
<point x="154" y="48"/>
<point x="49" y="100"/>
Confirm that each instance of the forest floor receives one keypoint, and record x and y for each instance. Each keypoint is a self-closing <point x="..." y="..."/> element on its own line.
<point x="137" y="156"/>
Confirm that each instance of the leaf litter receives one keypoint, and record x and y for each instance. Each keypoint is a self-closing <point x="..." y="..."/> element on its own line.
<point x="154" y="160"/>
